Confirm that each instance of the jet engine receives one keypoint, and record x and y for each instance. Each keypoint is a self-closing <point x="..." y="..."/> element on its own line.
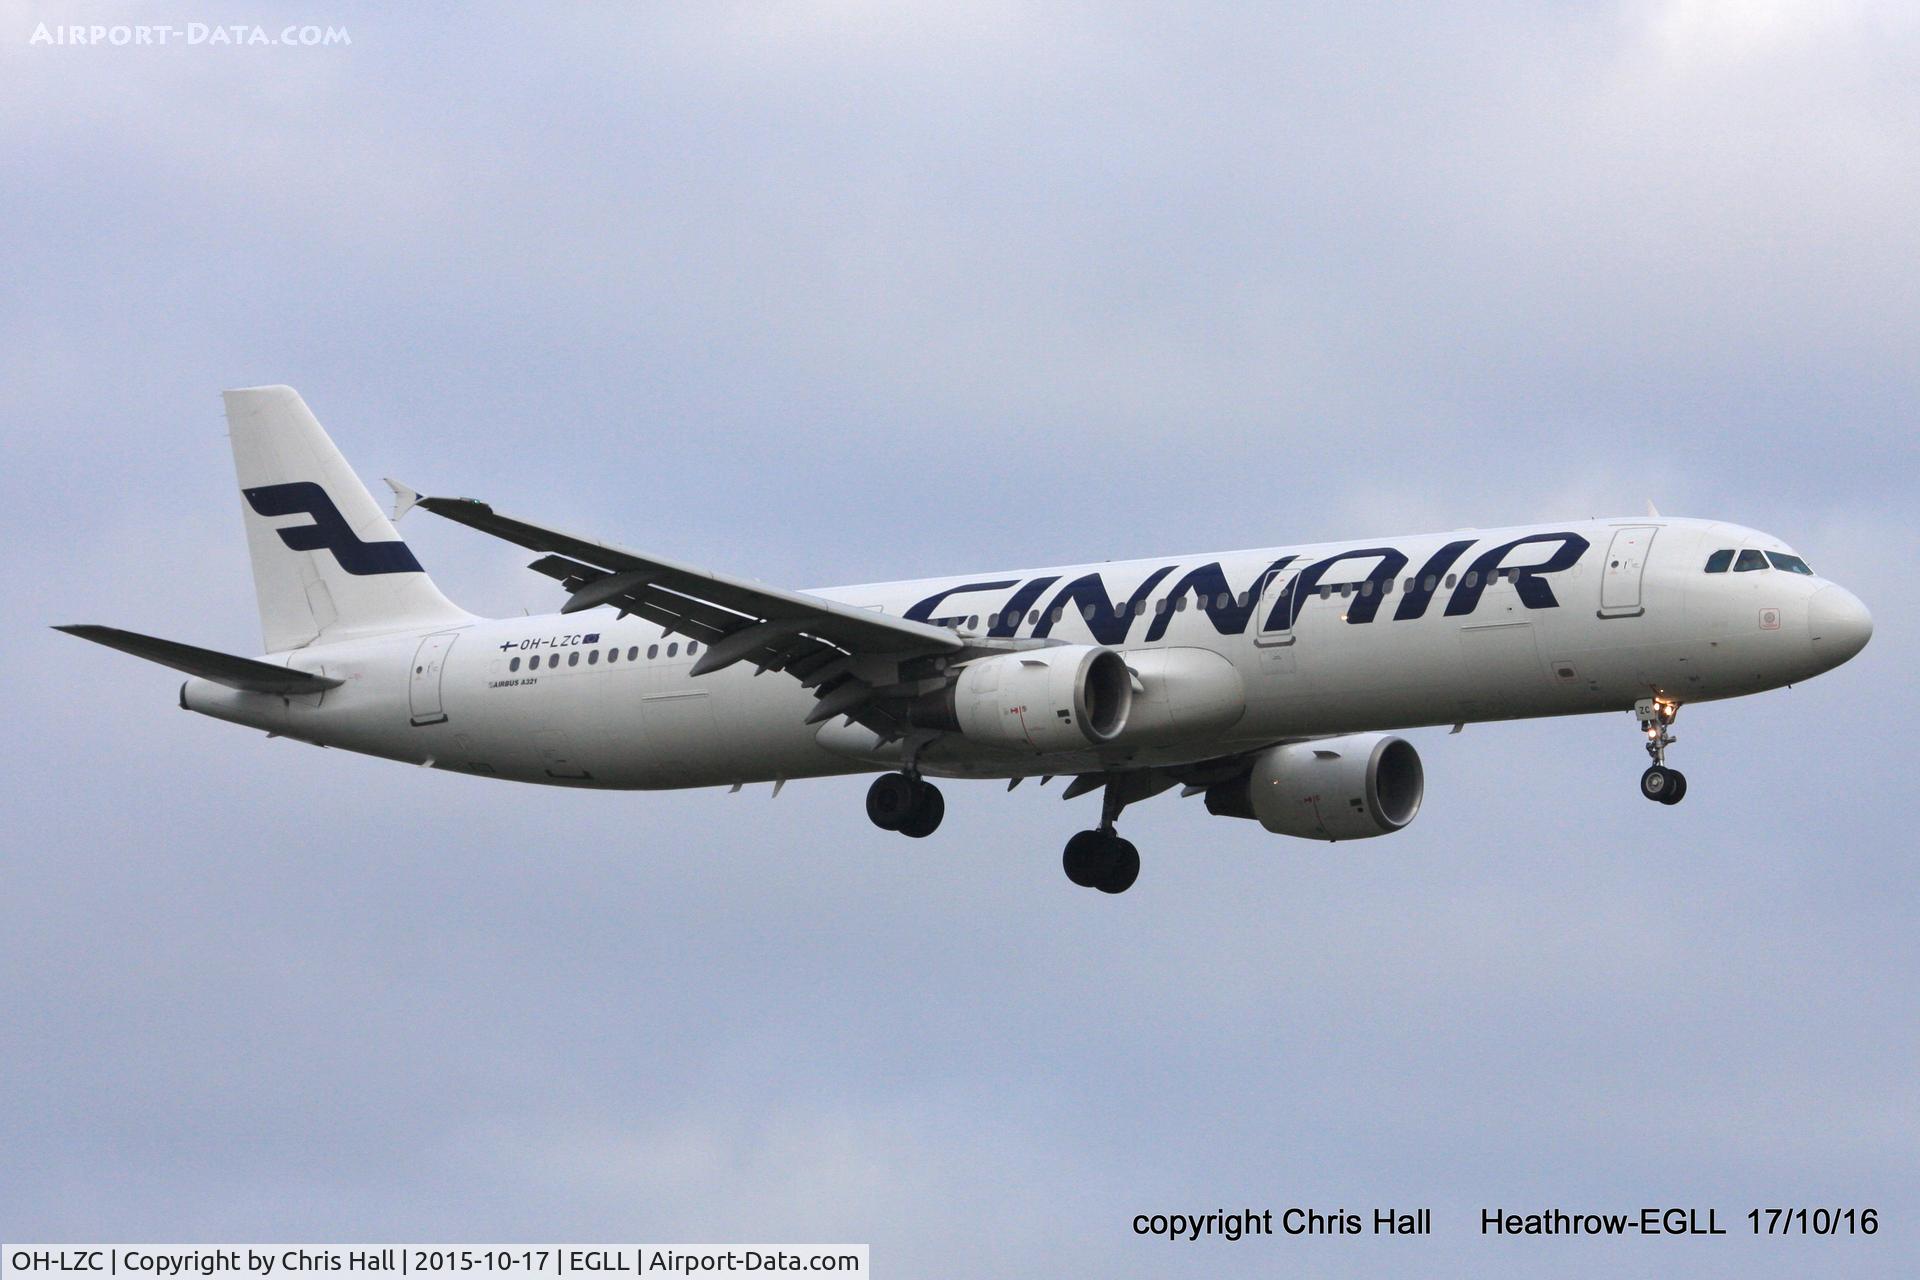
<point x="1347" y="788"/>
<point x="1064" y="698"/>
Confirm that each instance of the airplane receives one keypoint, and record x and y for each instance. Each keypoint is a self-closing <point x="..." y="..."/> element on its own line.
<point x="1273" y="683"/>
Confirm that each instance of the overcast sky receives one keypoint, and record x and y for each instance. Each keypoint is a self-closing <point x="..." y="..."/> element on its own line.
<point x="839" y="292"/>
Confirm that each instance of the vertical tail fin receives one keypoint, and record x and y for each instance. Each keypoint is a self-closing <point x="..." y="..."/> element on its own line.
<point x="326" y="562"/>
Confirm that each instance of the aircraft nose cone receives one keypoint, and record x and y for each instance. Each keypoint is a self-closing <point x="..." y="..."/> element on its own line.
<point x="1838" y="624"/>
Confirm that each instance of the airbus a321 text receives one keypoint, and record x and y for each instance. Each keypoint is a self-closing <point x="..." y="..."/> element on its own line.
<point x="1270" y="682"/>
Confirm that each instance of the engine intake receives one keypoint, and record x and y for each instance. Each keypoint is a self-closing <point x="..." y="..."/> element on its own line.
<point x="1064" y="698"/>
<point x="1347" y="788"/>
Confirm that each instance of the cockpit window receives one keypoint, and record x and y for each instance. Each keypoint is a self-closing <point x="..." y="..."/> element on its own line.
<point x="1749" y="560"/>
<point x="1792" y="564"/>
<point x="1719" y="560"/>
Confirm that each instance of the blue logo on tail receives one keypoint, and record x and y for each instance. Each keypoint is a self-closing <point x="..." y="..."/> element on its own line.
<point x="329" y="529"/>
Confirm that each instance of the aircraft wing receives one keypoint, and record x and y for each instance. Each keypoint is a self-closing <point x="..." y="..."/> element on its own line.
<point x="847" y="656"/>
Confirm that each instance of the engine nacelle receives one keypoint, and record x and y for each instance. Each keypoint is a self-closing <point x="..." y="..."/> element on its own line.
<point x="1183" y="694"/>
<point x="1364" y="784"/>
<point x="1064" y="698"/>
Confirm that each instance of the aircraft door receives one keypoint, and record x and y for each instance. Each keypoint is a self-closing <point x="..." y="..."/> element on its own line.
<point x="429" y="664"/>
<point x="1620" y="574"/>
<point x="1271" y="624"/>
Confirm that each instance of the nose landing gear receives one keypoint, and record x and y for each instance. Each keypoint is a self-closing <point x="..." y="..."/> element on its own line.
<point x="1668" y="786"/>
<point x="910" y="805"/>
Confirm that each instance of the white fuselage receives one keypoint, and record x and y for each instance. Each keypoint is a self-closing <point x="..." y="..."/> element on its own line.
<point x="1319" y="640"/>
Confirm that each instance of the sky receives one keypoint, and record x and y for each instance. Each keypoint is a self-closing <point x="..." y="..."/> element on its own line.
<point x="841" y="292"/>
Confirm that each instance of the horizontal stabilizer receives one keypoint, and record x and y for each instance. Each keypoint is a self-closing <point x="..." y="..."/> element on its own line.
<point x="221" y="668"/>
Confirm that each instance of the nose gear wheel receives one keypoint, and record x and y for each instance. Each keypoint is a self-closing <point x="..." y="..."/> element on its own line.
<point x="1668" y="786"/>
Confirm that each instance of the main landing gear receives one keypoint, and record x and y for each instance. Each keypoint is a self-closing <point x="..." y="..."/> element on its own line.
<point x="1098" y="859"/>
<point x="1102" y="859"/>
<point x="1668" y="786"/>
<point x="907" y="804"/>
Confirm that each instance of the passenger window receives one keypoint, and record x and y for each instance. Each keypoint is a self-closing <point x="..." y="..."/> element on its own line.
<point x="1792" y="564"/>
<point x="514" y="665"/>
<point x="653" y="651"/>
<point x="593" y="657"/>
<point x="1449" y="582"/>
<point x="573" y="659"/>
<point x="993" y="621"/>
<point x="1139" y="608"/>
<point x="553" y="660"/>
<point x="673" y="650"/>
<point x="633" y="653"/>
<point x="693" y="647"/>
<point x="1180" y="605"/>
<point x="613" y="655"/>
<point x="1432" y="582"/>
<point x="1033" y="618"/>
<point x="1473" y="576"/>
<point x="1719" y="561"/>
<point x="1749" y="561"/>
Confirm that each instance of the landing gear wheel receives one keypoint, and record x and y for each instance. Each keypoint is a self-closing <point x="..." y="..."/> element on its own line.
<point x="1663" y="784"/>
<point x="1085" y="858"/>
<point x="911" y="806"/>
<point x="1123" y="867"/>
<point x="890" y="801"/>
<point x="1101" y="860"/>
<point x="1656" y="722"/>
<point x="929" y="806"/>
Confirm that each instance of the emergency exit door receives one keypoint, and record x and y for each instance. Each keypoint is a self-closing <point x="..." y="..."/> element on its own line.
<point x="1274" y="607"/>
